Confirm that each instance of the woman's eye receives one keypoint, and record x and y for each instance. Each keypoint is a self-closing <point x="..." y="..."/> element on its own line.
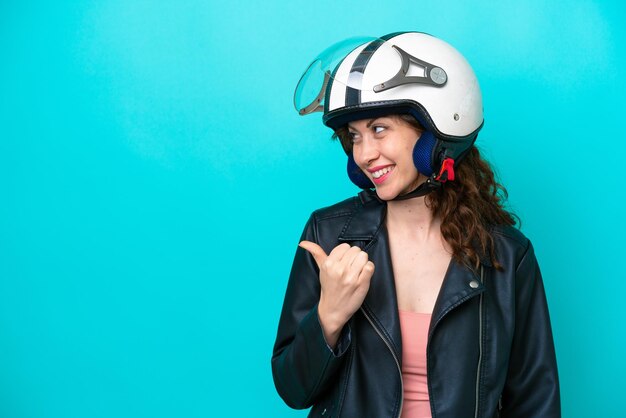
<point x="353" y="136"/>
<point x="378" y="129"/>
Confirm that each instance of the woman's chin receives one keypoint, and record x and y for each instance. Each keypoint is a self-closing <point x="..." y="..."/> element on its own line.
<point x="386" y="194"/>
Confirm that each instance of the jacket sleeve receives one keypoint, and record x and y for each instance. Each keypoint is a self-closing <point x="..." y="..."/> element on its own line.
<point x="303" y="365"/>
<point x="532" y="385"/>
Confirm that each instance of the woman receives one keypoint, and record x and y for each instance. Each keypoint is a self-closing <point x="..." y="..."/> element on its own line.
<point x="418" y="297"/>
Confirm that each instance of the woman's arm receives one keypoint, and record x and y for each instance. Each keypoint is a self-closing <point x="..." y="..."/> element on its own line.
<point x="302" y="362"/>
<point x="532" y="385"/>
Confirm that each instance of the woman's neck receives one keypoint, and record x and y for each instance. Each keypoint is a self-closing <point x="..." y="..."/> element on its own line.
<point x="413" y="217"/>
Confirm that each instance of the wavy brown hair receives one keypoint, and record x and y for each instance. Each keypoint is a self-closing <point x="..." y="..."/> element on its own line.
<point x="469" y="207"/>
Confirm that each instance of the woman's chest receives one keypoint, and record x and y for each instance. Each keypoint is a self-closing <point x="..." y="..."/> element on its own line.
<point x="418" y="272"/>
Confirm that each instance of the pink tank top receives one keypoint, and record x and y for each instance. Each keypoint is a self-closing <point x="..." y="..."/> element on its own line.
<point x="414" y="327"/>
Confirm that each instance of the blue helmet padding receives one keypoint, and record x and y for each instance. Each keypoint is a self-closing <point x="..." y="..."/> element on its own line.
<point x="357" y="176"/>
<point x="423" y="151"/>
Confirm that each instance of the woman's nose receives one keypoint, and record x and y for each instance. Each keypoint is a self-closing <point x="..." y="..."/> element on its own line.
<point x="367" y="152"/>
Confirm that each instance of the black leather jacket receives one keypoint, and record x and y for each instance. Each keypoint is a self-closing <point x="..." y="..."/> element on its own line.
<point x="490" y="351"/>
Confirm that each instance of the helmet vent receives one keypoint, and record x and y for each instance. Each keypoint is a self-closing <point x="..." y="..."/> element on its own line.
<point x="416" y="70"/>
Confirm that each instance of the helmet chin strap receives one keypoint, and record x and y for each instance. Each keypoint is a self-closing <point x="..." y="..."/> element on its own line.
<point x="423" y="189"/>
<point x="433" y="182"/>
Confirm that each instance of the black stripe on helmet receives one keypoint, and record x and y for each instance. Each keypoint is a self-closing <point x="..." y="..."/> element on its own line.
<point x="353" y="95"/>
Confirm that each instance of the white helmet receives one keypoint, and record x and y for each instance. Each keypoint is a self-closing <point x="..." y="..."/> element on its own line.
<point x="400" y="73"/>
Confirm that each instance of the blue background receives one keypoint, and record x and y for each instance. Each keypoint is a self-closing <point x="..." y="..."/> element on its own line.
<point x="154" y="181"/>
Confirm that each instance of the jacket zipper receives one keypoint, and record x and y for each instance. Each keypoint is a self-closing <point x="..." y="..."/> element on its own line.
<point x="480" y="342"/>
<point x="395" y="358"/>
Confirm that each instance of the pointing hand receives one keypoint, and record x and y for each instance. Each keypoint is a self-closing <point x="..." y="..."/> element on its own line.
<point x="345" y="276"/>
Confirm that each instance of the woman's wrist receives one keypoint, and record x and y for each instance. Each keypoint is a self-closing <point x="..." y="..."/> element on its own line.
<point x="331" y="328"/>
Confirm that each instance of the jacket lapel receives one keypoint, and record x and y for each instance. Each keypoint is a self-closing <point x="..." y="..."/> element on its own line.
<point x="459" y="285"/>
<point x="366" y="228"/>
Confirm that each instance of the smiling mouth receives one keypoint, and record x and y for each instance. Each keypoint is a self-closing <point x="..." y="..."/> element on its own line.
<point x="378" y="174"/>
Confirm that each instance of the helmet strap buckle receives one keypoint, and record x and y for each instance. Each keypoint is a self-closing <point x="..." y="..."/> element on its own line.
<point x="447" y="171"/>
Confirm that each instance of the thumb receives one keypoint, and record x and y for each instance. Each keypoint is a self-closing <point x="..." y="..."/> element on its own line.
<point x="316" y="251"/>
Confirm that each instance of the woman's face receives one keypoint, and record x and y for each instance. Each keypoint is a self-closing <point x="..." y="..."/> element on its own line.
<point x="383" y="149"/>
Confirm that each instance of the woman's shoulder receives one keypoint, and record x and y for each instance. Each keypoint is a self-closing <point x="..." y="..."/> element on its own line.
<point x="354" y="219"/>
<point x="364" y="200"/>
<point x="510" y="240"/>
<point x="509" y="233"/>
<point x="346" y="207"/>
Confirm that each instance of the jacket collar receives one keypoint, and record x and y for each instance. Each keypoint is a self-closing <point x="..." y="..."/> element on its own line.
<point x="370" y="215"/>
<point x="366" y="228"/>
<point x="365" y="223"/>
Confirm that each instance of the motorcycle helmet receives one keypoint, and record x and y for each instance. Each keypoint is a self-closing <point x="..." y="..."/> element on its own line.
<point x="401" y="73"/>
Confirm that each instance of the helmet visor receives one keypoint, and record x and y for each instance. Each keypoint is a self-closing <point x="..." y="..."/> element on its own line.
<point x="345" y="63"/>
<point x="310" y="91"/>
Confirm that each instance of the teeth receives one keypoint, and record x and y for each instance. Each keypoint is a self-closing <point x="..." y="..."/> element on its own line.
<point x="380" y="173"/>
